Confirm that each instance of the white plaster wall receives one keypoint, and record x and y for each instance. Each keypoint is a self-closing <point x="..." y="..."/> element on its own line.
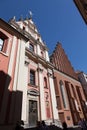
<point x="24" y="103"/>
<point x="10" y="67"/>
<point x="21" y="66"/>
<point x="38" y="50"/>
<point x="27" y="45"/>
<point x="47" y="56"/>
<point x="22" y="78"/>
<point x="16" y="68"/>
<point x="21" y="25"/>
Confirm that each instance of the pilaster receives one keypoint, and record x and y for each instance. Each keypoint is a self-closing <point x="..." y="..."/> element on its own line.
<point x="41" y="87"/>
<point x="53" y="95"/>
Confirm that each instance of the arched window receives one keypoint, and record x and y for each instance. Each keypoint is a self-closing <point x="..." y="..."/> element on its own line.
<point x="63" y="94"/>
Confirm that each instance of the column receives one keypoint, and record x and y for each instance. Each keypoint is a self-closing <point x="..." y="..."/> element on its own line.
<point x="41" y="87"/>
<point x="24" y="102"/>
<point x="53" y="95"/>
<point x="22" y="80"/>
<point x="20" y="83"/>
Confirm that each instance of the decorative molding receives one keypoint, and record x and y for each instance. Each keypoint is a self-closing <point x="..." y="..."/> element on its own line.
<point x="33" y="92"/>
<point x="40" y="70"/>
<point x="27" y="61"/>
<point x="50" y="75"/>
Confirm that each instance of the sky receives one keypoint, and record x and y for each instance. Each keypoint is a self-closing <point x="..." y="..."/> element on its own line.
<point x="56" y="21"/>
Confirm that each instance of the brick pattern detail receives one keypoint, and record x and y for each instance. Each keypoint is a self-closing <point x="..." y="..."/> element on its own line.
<point x="61" y="62"/>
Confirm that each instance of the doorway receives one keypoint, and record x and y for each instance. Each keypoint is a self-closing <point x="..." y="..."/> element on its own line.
<point x="33" y="113"/>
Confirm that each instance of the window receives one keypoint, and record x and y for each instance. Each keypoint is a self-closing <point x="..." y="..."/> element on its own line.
<point x="32" y="77"/>
<point x="63" y="93"/>
<point x="31" y="47"/>
<point x="23" y="28"/>
<point x="58" y="102"/>
<point x="45" y="82"/>
<point x="73" y="90"/>
<point x="1" y="44"/>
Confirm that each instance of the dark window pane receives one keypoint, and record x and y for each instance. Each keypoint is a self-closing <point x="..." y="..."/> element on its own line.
<point x="31" y="47"/>
<point x="32" y="77"/>
<point x="45" y="82"/>
<point x="1" y="44"/>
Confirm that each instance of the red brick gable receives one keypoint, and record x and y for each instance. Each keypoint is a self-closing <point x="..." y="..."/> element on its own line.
<point x="61" y="61"/>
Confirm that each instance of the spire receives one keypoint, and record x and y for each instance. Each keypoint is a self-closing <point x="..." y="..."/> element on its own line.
<point x="12" y="19"/>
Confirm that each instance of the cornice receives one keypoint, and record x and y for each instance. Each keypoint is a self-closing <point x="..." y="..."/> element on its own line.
<point x="38" y="59"/>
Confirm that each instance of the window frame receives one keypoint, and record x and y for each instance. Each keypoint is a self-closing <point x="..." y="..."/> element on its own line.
<point x="32" y="77"/>
<point x="4" y="45"/>
<point x="1" y="44"/>
<point x="45" y="82"/>
<point x="31" y="47"/>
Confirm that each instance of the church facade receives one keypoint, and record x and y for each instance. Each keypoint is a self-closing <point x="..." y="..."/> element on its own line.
<point x="27" y="87"/>
<point x="31" y="87"/>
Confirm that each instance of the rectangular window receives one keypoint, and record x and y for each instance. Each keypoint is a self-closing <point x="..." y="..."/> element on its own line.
<point x="58" y="102"/>
<point x="31" y="47"/>
<point x="32" y="77"/>
<point x="1" y="44"/>
<point x="45" y="82"/>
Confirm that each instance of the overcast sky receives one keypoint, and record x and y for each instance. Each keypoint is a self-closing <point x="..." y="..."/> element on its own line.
<point x="57" y="21"/>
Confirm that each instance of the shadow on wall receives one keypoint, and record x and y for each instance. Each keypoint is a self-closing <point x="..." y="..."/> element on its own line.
<point x="10" y="103"/>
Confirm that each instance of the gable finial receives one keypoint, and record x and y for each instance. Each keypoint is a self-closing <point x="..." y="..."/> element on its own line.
<point x="30" y="14"/>
<point x="14" y="18"/>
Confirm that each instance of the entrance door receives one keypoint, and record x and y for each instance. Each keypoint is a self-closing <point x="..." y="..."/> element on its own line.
<point x="33" y="115"/>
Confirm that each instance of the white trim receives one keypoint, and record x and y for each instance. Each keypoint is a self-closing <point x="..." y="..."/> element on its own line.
<point x="16" y="68"/>
<point x="53" y="98"/>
